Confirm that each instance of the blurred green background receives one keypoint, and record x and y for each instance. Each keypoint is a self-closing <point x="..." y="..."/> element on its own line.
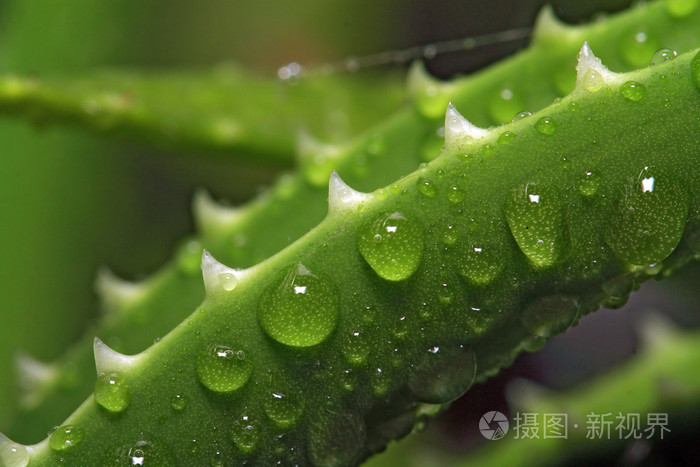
<point x="70" y="201"/>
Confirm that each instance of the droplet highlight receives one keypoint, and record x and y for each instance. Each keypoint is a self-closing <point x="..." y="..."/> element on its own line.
<point x="536" y="221"/>
<point x="649" y="218"/>
<point x="283" y="408"/>
<point x="301" y="310"/>
<point x="223" y="369"/>
<point x="112" y="392"/>
<point x="392" y="244"/>
<point x="66" y="438"/>
<point x="546" y="126"/>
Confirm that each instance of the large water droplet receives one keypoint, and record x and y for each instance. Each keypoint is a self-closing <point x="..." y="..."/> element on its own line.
<point x="663" y="55"/>
<point x="245" y="433"/>
<point x="535" y="217"/>
<point x="649" y="218"/>
<point x="380" y="382"/>
<point x="65" y="438"/>
<point x="392" y="244"/>
<point x="337" y="444"/>
<point x="633" y="91"/>
<point x="546" y="126"/>
<point x="455" y="194"/>
<point x="301" y="310"/>
<point x="443" y="374"/>
<point x="283" y="408"/>
<point x="506" y="137"/>
<point x="223" y="369"/>
<point x="112" y="392"/>
<point x="144" y="453"/>
<point x="549" y="316"/>
<point x="637" y="47"/>
<point x="681" y="8"/>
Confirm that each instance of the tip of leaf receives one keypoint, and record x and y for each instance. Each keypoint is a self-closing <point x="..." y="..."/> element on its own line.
<point x="33" y="377"/>
<point x="591" y="74"/>
<point x="211" y="215"/>
<point x="13" y="454"/>
<point x="109" y="360"/>
<point x="114" y="292"/>
<point x="217" y="276"/>
<point x="548" y="25"/>
<point x="458" y="129"/>
<point x="341" y="197"/>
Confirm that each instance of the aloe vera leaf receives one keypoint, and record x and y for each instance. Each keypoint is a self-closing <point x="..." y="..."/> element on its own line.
<point x="225" y="109"/>
<point x="249" y="235"/>
<point x="267" y="343"/>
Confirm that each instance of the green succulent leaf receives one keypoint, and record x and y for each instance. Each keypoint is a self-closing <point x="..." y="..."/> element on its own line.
<point x="270" y="386"/>
<point x="225" y="109"/>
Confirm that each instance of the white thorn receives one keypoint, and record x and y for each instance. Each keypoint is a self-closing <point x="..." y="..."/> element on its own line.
<point x="108" y="360"/>
<point x="33" y="377"/>
<point x="655" y="329"/>
<point x="13" y="454"/>
<point x="211" y="215"/>
<point x="218" y="276"/>
<point x="459" y="130"/>
<point x="591" y="74"/>
<point x="549" y="25"/>
<point x="524" y="395"/>
<point x="309" y="147"/>
<point x="115" y="292"/>
<point x="341" y="197"/>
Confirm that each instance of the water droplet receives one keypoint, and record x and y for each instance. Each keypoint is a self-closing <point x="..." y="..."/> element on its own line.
<point x="66" y="438"/>
<point x="546" y="126"/>
<point x="112" y="392"/>
<point x="178" y="402"/>
<point x="380" y="382"/>
<point x="449" y="235"/>
<point x="337" y="444"/>
<point x="503" y="104"/>
<point x="549" y="316"/>
<point x="223" y="369"/>
<point x="592" y="80"/>
<point x="589" y="183"/>
<point x="663" y="55"/>
<point x="455" y="194"/>
<point x="533" y="344"/>
<point x="649" y="218"/>
<point x="355" y="348"/>
<point x="283" y="408"/>
<point x="481" y="261"/>
<point x="536" y="220"/>
<point x="695" y="70"/>
<point x="189" y="258"/>
<point x="143" y="453"/>
<point x="301" y="310"/>
<point x="245" y="433"/>
<point x="637" y="47"/>
<point x="681" y="8"/>
<point x="573" y="106"/>
<point x="633" y="91"/>
<point x="348" y="380"/>
<point x="521" y="115"/>
<point x="426" y="187"/>
<point x="400" y="249"/>
<point x="506" y="137"/>
<point x="443" y="374"/>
